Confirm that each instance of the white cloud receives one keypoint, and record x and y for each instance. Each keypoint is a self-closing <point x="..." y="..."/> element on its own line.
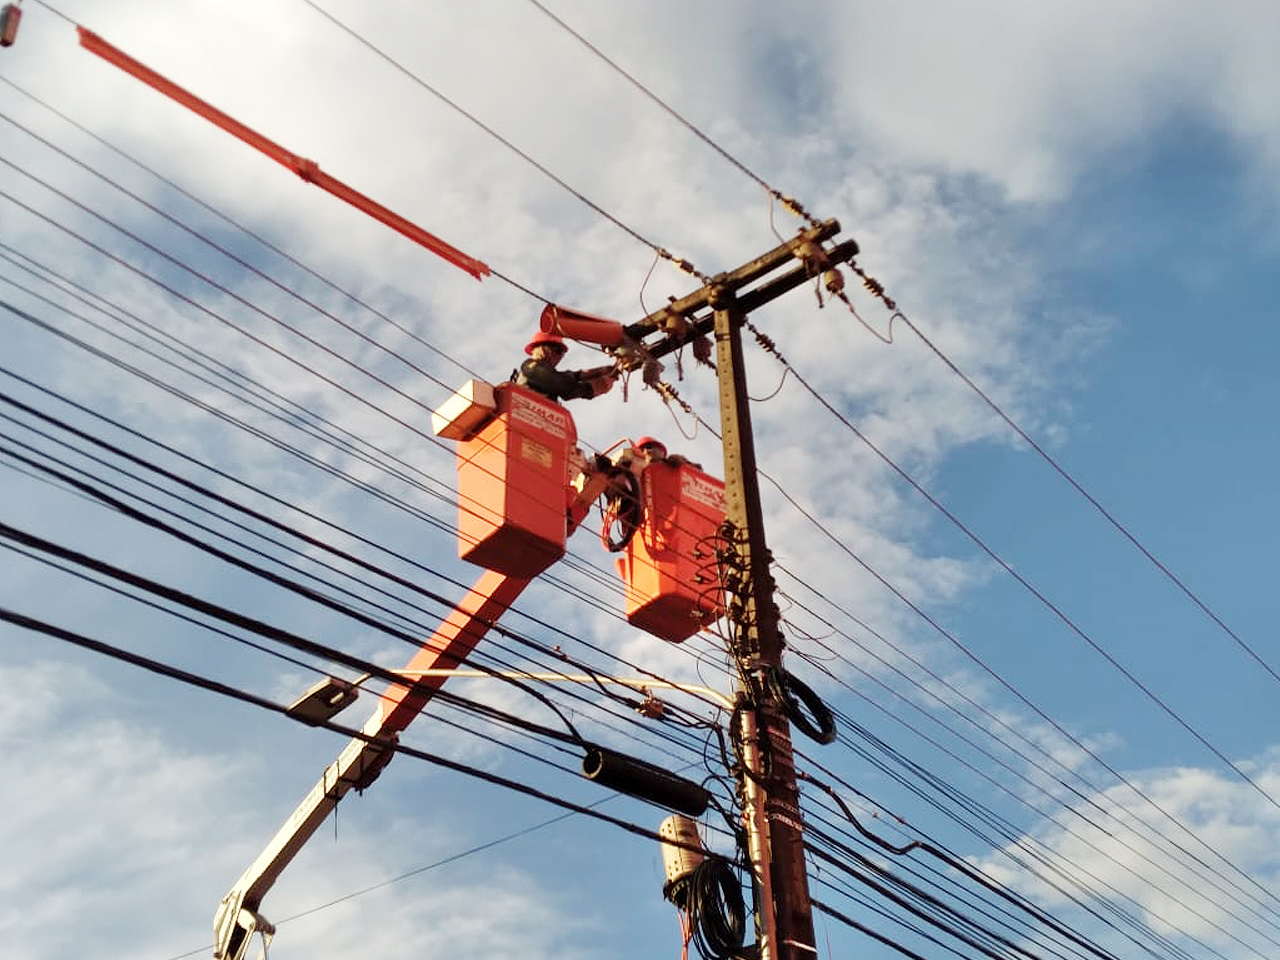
<point x="123" y="840"/>
<point x="934" y="133"/>
<point x="1031" y="96"/>
<point x="1173" y="894"/>
<point x="102" y="819"/>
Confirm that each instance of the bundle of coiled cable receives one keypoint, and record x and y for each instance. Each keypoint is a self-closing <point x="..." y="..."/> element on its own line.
<point x="797" y="697"/>
<point x="712" y="897"/>
<point x="624" y="509"/>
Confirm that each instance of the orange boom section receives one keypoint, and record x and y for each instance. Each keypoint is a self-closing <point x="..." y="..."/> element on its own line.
<point x="513" y="485"/>
<point x="669" y="567"/>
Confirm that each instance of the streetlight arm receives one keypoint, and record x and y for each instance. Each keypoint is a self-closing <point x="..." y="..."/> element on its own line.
<point x="640" y="684"/>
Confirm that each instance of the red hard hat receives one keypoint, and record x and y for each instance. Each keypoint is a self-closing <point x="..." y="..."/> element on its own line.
<point x="645" y="441"/>
<point x="542" y="337"/>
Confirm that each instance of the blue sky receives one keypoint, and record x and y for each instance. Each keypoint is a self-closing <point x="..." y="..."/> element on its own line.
<point x="1077" y="205"/>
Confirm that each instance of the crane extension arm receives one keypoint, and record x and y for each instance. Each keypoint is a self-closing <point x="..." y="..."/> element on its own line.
<point x="359" y="764"/>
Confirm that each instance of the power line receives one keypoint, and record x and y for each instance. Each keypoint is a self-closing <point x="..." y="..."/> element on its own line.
<point x="878" y="291"/>
<point x="1015" y="835"/>
<point x="311" y="340"/>
<point x="1035" y="592"/>
<point x="918" y="781"/>
<point x="283" y="354"/>
<point x="293" y="507"/>
<point x="1021" y="924"/>
<point x="877" y="936"/>
<point x="1053" y="607"/>
<point x="226" y="218"/>
<point x="1109" y="835"/>
<point x="999" y="721"/>
<point x="226" y="690"/>
<point x="681" y="263"/>
<point x="317" y="433"/>
<point x="560" y="662"/>
<point x="1005" y="724"/>
<point x="611" y="583"/>
<point x="369" y="620"/>
<point x="1067" y="828"/>
<point x="196" y="234"/>
<point x="289" y="639"/>
<point x="789" y="203"/>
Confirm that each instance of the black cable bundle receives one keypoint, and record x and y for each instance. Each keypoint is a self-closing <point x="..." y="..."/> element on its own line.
<point x="717" y="914"/>
<point x="623" y="508"/>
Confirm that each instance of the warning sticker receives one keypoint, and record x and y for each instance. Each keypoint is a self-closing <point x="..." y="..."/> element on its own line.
<point x="694" y="486"/>
<point x="535" y="452"/>
<point x="541" y="416"/>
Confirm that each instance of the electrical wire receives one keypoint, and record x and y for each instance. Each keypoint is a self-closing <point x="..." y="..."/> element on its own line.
<point x="1021" y="838"/>
<point x="155" y="210"/>
<point x="874" y="287"/>
<point x="956" y="863"/>
<point x="864" y="929"/>
<point x="310" y="516"/>
<point x="1008" y="726"/>
<point x="1000" y="721"/>
<point x="964" y="811"/>
<point x="39" y="626"/>
<point x="937" y="627"/>
<point x="206" y="492"/>
<point x="608" y="583"/>
<point x="233" y="222"/>
<point x="962" y="928"/>
<point x="1039" y="595"/>
<point x="788" y="203"/>
<point x="292" y="640"/>
<point x="878" y="290"/>
<point x="229" y="254"/>
<point x="1109" y="835"/>
<point x="1159" y="836"/>
<point x="679" y="262"/>
<point x="341" y="604"/>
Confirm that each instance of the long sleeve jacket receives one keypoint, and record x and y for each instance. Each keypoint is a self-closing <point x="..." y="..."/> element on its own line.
<point x="552" y="383"/>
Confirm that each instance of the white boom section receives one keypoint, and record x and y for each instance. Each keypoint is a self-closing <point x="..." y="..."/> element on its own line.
<point x="357" y="766"/>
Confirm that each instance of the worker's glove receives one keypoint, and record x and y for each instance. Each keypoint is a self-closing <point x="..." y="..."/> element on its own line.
<point x="604" y="382"/>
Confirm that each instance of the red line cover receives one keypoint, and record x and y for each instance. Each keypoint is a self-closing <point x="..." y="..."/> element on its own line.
<point x="308" y="170"/>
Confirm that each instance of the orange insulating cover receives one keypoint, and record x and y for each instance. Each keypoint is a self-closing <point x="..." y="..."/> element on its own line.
<point x="308" y="170"/>
<point x="513" y="483"/>
<point x="669" y="567"/>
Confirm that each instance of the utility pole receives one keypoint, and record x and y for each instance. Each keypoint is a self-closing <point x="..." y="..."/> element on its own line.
<point x="772" y="811"/>
<point x="758" y="652"/>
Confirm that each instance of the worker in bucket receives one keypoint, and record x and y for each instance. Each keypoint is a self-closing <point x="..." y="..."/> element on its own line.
<point x="652" y="450"/>
<point x="539" y="372"/>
